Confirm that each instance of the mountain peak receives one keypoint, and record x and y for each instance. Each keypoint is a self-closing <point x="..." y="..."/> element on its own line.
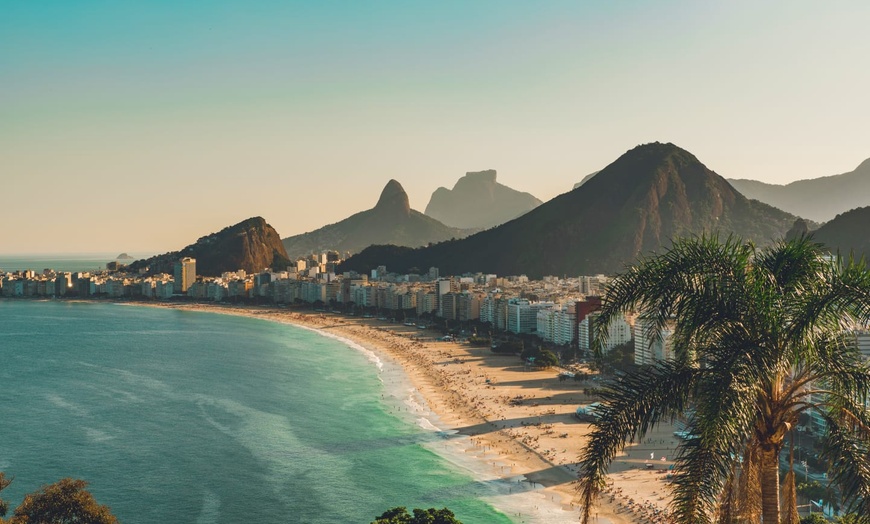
<point x="658" y="151"/>
<point x="638" y="204"/>
<point x="478" y="201"/>
<point x="252" y="245"/>
<point x="393" y="197"/>
<point x="390" y="222"/>
<point x="482" y="176"/>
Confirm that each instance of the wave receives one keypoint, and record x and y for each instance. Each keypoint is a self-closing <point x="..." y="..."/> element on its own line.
<point x="369" y="354"/>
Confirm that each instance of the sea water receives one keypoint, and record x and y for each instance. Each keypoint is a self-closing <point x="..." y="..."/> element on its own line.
<point x="71" y="263"/>
<point x="183" y="416"/>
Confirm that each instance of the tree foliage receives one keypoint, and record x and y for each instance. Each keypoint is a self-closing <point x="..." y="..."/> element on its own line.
<point x="64" y="502"/>
<point x="759" y="337"/>
<point x="543" y="358"/>
<point x="400" y="515"/>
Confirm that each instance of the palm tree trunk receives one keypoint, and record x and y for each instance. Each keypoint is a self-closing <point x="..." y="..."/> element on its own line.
<point x="749" y="488"/>
<point x="789" y="492"/>
<point x="770" y="485"/>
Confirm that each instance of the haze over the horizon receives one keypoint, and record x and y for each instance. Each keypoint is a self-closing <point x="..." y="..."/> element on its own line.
<point x="141" y="126"/>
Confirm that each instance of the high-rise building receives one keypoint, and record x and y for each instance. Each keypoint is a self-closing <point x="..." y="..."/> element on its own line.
<point x="185" y="274"/>
<point x="522" y="315"/>
<point x="651" y="347"/>
<point x="583" y="309"/>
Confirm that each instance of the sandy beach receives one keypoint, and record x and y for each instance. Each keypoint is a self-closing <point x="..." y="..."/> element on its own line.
<point x="518" y="421"/>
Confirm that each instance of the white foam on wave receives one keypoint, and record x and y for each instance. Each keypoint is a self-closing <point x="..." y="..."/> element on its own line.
<point x="210" y="512"/>
<point x="424" y="423"/>
<point x="62" y="403"/>
<point x="522" y="501"/>
<point x="369" y="354"/>
<point x="97" y="435"/>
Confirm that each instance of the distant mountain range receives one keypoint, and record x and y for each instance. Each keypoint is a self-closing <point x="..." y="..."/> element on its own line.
<point x="478" y="201"/>
<point x="252" y="245"/>
<point x="818" y="199"/>
<point x="648" y="196"/>
<point x="847" y="233"/>
<point x="391" y="221"/>
<point x="585" y="179"/>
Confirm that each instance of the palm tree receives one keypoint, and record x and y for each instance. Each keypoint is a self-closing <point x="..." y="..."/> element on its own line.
<point x="759" y="337"/>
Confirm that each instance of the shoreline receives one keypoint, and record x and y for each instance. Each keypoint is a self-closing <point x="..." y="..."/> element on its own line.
<point x="515" y="426"/>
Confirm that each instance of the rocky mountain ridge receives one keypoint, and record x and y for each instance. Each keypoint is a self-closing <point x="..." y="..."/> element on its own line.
<point x="252" y="245"/>
<point x="637" y="204"/>
<point x="477" y="200"/>
<point x="391" y="221"/>
<point x="817" y="199"/>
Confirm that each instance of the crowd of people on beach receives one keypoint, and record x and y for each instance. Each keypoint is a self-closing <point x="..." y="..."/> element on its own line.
<point x="647" y="511"/>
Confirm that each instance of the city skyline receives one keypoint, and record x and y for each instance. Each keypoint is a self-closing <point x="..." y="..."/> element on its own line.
<point x="140" y="128"/>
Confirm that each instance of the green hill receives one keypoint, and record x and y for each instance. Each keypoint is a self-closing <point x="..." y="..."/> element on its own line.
<point x="847" y="232"/>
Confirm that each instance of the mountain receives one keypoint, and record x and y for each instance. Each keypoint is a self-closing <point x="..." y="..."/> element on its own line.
<point x="818" y="199"/>
<point x="252" y="245"/>
<point x="391" y="221"/>
<point x="847" y="232"/>
<point x="585" y="179"/>
<point x="478" y="201"/>
<point x="637" y="204"/>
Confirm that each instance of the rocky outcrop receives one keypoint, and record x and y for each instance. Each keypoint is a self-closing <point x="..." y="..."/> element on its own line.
<point x="252" y="245"/>
<point x="391" y="221"/>
<point x="478" y="201"/>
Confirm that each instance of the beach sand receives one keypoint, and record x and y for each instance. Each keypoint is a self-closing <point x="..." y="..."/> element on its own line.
<point x="518" y="421"/>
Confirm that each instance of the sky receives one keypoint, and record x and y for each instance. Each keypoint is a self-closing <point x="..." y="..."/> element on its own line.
<point x="142" y="126"/>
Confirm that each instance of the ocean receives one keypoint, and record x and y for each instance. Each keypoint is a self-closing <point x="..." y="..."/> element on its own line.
<point x="71" y="263"/>
<point x="187" y="416"/>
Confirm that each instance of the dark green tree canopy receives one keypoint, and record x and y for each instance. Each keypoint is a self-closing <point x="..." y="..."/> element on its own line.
<point x="64" y="502"/>
<point x="400" y="515"/>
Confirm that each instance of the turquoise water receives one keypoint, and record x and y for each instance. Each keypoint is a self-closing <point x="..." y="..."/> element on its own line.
<point x="179" y="416"/>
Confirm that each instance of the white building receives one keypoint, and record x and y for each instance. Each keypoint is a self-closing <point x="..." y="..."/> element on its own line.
<point x="522" y="315"/>
<point x="427" y="302"/>
<point x="649" y="348"/>
<point x="618" y="333"/>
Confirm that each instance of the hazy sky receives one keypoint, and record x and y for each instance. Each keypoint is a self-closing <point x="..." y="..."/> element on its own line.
<point x="141" y="126"/>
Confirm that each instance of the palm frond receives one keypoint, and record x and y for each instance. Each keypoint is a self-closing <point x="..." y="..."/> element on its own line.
<point x="727" y="511"/>
<point x="699" y="475"/>
<point x="789" y="490"/>
<point x="657" y="284"/>
<point x="789" y="499"/>
<point x="749" y="488"/>
<point x="631" y="406"/>
<point x="850" y="471"/>
<point x="724" y="416"/>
